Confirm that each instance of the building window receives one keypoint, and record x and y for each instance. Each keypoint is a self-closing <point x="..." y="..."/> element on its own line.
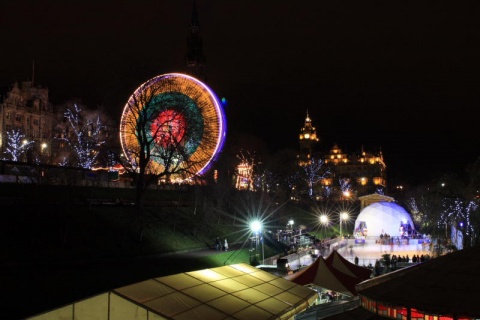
<point x="8" y="116"/>
<point x="363" y="181"/>
<point x="35" y="122"/>
<point x="18" y="117"/>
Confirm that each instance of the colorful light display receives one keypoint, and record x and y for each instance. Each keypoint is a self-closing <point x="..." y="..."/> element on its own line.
<point x="182" y="118"/>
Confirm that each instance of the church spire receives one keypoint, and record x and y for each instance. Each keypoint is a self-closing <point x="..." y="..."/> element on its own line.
<point x="195" y="60"/>
<point x="194" y="21"/>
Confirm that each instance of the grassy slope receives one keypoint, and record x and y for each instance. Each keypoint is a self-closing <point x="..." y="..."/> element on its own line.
<point x="60" y="223"/>
<point x="42" y="226"/>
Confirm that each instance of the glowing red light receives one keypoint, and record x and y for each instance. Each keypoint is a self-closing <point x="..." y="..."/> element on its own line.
<point x="168" y="128"/>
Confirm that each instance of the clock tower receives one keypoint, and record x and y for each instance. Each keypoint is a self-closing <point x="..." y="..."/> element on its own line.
<point x="308" y="139"/>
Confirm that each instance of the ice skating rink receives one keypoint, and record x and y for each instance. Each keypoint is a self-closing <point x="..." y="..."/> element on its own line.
<point x="371" y="250"/>
<point x="368" y="253"/>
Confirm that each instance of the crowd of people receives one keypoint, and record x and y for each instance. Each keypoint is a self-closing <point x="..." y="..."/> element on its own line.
<point x="415" y="258"/>
<point x="387" y="239"/>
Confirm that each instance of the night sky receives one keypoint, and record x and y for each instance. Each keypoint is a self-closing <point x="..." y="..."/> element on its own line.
<point x="398" y="76"/>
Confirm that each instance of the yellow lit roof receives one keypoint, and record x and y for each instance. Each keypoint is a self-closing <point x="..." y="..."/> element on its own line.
<point x="237" y="291"/>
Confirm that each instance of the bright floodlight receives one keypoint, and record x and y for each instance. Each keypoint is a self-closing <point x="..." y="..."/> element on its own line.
<point x="324" y="219"/>
<point x="256" y="226"/>
<point x="290" y="222"/>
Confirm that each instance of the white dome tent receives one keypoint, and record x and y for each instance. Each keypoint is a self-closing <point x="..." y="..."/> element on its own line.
<point x="383" y="218"/>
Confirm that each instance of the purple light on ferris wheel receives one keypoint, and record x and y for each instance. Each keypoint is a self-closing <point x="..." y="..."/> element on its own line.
<point x="189" y="103"/>
<point x="221" y="120"/>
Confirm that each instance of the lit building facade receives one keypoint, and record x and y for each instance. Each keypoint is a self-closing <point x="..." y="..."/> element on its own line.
<point x="349" y="175"/>
<point x="26" y="108"/>
<point x="365" y="171"/>
<point x="244" y="176"/>
<point x="308" y="139"/>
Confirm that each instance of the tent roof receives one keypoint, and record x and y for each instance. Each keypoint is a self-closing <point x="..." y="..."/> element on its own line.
<point x="343" y="265"/>
<point x="449" y="284"/>
<point x="237" y="291"/>
<point x="325" y="275"/>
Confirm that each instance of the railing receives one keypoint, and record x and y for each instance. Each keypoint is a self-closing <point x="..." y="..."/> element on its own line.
<point x="272" y="260"/>
<point x="323" y="310"/>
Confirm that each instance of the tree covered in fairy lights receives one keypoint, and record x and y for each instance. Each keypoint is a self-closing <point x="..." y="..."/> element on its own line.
<point x="83" y="133"/>
<point x="282" y="173"/>
<point x="463" y="215"/>
<point x="448" y="209"/>
<point x="16" y="145"/>
<point x="345" y="187"/>
<point x="266" y="181"/>
<point x="313" y="172"/>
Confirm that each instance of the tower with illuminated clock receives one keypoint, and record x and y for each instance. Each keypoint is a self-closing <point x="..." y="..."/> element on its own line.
<point x="307" y="139"/>
<point x="348" y="174"/>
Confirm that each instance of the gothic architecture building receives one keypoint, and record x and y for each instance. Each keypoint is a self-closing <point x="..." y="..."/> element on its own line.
<point x="26" y="108"/>
<point x="308" y="140"/>
<point x="345" y="175"/>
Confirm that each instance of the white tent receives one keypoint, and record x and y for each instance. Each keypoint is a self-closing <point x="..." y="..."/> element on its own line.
<point x="383" y="218"/>
<point x="237" y="291"/>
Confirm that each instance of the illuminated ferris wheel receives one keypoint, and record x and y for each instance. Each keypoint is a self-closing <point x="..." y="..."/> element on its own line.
<point x="178" y="120"/>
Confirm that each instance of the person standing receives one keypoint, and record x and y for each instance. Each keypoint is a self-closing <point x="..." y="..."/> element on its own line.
<point x="218" y="246"/>
<point x="226" y="245"/>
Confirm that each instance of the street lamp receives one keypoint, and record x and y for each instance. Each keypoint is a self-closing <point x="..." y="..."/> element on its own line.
<point x="343" y="216"/>
<point x="324" y="222"/>
<point x="256" y="227"/>
<point x="24" y="148"/>
<point x="290" y="223"/>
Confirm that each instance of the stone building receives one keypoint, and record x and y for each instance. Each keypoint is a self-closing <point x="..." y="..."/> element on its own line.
<point x="26" y="108"/>
<point x="308" y="139"/>
<point x="350" y="175"/>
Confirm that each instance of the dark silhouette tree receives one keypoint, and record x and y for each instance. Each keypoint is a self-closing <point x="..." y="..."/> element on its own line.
<point x="161" y="131"/>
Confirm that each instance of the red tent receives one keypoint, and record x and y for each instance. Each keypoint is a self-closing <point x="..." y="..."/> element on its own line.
<point x="324" y="275"/>
<point x="334" y="273"/>
<point x="341" y="264"/>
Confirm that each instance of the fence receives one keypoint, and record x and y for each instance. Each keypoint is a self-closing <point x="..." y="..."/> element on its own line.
<point x="321" y="311"/>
